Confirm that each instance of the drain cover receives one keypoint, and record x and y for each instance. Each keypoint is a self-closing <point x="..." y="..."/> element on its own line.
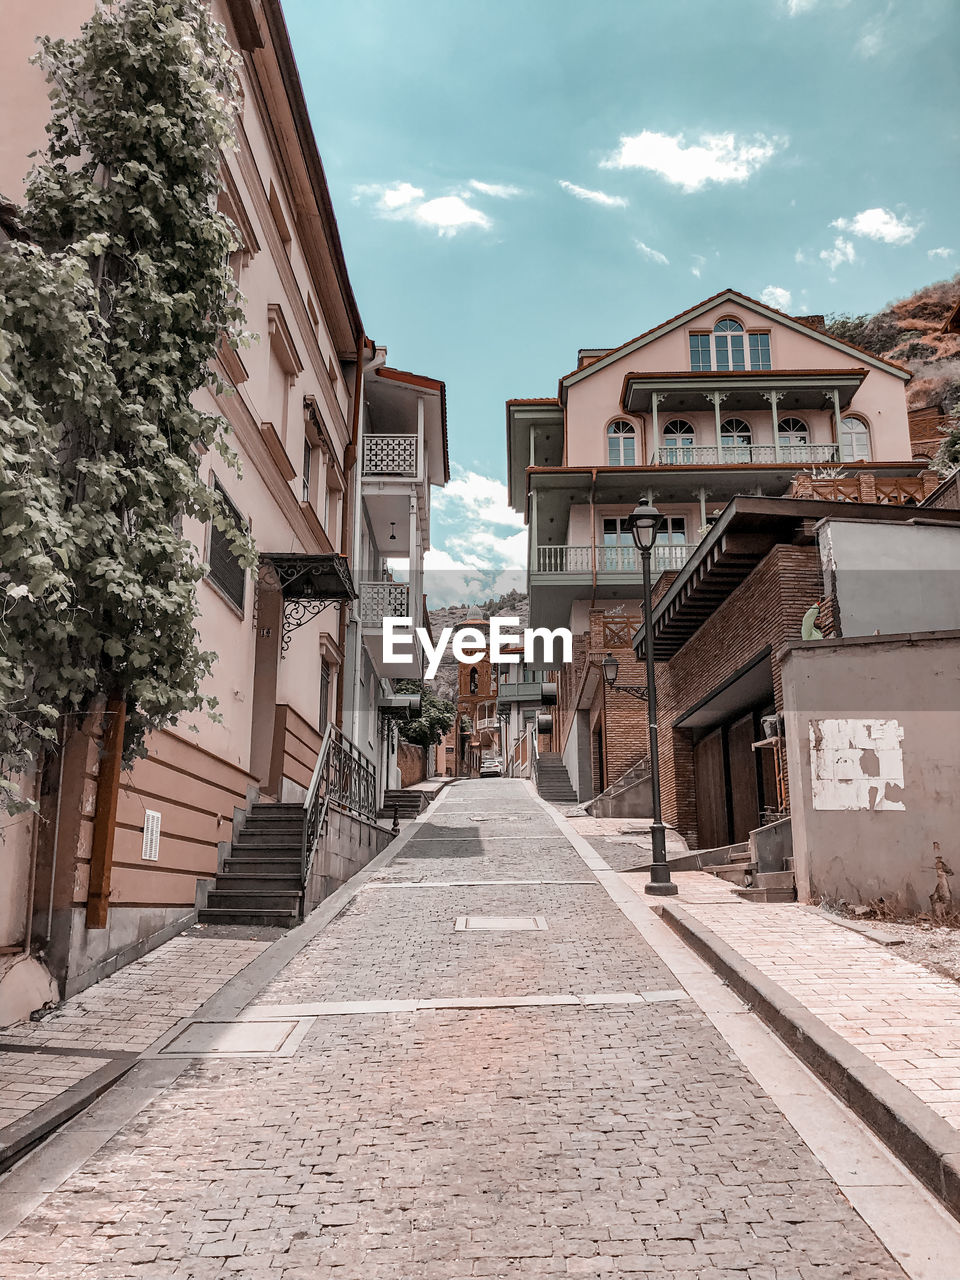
<point x="501" y="923"/>
<point x="237" y="1039"/>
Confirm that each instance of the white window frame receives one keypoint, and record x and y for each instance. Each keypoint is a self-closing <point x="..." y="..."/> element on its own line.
<point x="617" y="432"/>
<point x="848" y="454"/>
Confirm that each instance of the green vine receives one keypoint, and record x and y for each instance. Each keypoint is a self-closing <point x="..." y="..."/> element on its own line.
<point x="111" y="310"/>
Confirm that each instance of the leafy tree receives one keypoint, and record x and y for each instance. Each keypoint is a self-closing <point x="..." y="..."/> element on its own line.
<point x="948" y="455"/>
<point x="111" y="308"/>
<point x="436" y="716"/>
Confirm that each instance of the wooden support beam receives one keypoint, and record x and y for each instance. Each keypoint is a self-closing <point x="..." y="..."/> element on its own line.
<point x="105" y="816"/>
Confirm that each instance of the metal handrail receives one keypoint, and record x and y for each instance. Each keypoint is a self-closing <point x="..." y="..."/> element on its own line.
<point x="343" y="777"/>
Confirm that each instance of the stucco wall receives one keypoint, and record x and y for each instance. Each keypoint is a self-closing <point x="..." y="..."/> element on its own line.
<point x="873" y="739"/>
<point x="594" y="402"/>
<point x="885" y="577"/>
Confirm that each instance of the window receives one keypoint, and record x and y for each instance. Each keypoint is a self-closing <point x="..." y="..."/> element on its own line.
<point x="854" y="440"/>
<point x="679" y="440"/>
<point x="307" y="468"/>
<point x="474" y="680"/>
<point x="724" y="348"/>
<point x="700" y="352"/>
<point x="673" y="532"/>
<point x="794" y="437"/>
<point x="735" y="440"/>
<point x="225" y="567"/>
<point x="621" y="444"/>
<point x="759" y="350"/>
<point x="324" y="695"/>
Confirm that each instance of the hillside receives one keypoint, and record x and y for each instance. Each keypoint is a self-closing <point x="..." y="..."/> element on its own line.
<point x="511" y="605"/>
<point x="910" y="332"/>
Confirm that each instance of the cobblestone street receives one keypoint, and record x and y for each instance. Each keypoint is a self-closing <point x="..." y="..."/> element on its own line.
<point x="479" y="1067"/>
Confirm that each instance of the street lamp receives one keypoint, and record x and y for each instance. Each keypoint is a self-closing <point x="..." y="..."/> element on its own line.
<point x="643" y="523"/>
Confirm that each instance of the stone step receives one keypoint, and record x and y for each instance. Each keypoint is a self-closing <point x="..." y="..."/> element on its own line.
<point x="774" y="880"/>
<point x="283" y="867"/>
<point x="239" y="900"/>
<point x="766" y="895"/>
<point x="265" y="919"/>
<point x="257" y="883"/>
<point x="734" y="873"/>
<point x="268" y="840"/>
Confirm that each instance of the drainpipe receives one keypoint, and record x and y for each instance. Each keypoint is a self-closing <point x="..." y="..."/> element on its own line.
<point x="349" y="462"/>
<point x="378" y="357"/>
<point x="593" y="535"/>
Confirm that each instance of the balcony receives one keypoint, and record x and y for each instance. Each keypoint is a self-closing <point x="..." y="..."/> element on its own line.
<point x="390" y="456"/>
<point x="610" y="560"/>
<point x="379" y="600"/>
<point x="736" y="455"/>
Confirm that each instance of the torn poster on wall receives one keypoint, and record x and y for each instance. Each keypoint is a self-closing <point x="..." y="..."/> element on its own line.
<point x="856" y="764"/>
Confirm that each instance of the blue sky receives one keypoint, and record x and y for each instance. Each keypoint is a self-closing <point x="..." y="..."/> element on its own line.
<point x="519" y="178"/>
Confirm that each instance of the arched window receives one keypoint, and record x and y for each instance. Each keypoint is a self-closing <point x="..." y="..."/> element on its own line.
<point x="728" y="345"/>
<point x="679" y="440"/>
<point x="854" y="440"/>
<point x="474" y="680"/>
<point x="621" y="444"/>
<point x="735" y="440"/>
<point x="794" y="437"/>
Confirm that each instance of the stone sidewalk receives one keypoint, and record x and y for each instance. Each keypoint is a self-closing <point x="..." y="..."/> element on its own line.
<point x="904" y="1017"/>
<point x="478" y="1067"/>
<point x="49" y="1067"/>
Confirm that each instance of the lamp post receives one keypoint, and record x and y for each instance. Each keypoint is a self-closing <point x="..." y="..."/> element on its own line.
<point x="643" y="523"/>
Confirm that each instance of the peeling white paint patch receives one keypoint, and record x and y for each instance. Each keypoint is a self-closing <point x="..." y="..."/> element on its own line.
<point x="856" y="764"/>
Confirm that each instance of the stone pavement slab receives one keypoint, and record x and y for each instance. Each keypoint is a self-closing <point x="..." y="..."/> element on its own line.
<point x="905" y="1018"/>
<point x="598" y="1139"/>
<point x="105" y="1026"/>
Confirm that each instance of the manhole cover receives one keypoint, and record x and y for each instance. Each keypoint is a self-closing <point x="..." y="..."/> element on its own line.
<point x="237" y="1039"/>
<point x="501" y="923"/>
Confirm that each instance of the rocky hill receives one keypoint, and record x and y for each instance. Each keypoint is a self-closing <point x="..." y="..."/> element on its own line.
<point x="910" y="332"/>
<point x="511" y="605"/>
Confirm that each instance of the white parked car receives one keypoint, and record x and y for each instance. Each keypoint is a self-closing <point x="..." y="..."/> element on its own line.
<point x="492" y="767"/>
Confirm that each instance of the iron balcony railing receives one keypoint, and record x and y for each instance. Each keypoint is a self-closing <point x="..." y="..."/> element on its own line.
<point x="696" y="455"/>
<point x="379" y="600"/>
<point x="390" y="455"/>
<point x="344" y="778"/>
<point x="620" y="559"/>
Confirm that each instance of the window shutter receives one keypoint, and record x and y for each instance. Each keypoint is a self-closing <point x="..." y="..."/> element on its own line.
<point x="150" y="851"/>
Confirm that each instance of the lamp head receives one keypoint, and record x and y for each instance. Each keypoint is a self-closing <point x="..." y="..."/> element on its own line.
<point x="610" y="666"/>
<point x="643" y="522"/>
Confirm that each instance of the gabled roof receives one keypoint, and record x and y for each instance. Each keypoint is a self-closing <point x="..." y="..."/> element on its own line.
<point x="733" y="296"/>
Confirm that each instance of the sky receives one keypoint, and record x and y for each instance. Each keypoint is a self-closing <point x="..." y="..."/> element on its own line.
<point x="516" y="179"/>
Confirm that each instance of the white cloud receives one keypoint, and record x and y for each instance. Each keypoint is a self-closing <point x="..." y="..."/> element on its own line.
<point x="653" y="254"/>
<point x="480" y="542"/>
<point x="799" y="6"/>
<point x="871" y="39"/>
<point x="717" y="157"/>
<point x="500" y="191"/>
<point x="942" y="252"/>
<point x="595" y="197"/>
<point x="404" y="202"/>
<point x="842" y="251"/>
<point x="800" y="257"/>
<point x="878" y="224"/>
<point x="774" y="296"/>
<point x="699" y="262"/>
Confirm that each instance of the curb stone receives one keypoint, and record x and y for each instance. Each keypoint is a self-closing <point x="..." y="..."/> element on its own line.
<point x="922" y="1140"/>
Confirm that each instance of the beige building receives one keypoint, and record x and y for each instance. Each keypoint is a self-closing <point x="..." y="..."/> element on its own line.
<point x="338" y="453"/>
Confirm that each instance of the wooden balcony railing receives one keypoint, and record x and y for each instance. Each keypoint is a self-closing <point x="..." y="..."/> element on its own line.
<point x="610" y="560"/>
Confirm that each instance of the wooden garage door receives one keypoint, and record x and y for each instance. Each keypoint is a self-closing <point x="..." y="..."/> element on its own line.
<point x="743" y="777"/>
<point x="711" y="791"/>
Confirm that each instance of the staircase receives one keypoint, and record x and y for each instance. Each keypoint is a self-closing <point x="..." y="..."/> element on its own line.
<point x="630" y="796"/>
<point x="736" y="863"/>
<point x="409" y="803"/>
<point x="261" y="881"/>
<point x="553" y="781"/>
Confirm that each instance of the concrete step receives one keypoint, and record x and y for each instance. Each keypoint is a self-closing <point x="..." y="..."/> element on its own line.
<point x="234" y="900"/>
<point x="735" y="873"/>
<point x="766" y="895"/>
<point x="266" y="919"/>
<point x="774" y="880"/>
<point x="268" y="840"/>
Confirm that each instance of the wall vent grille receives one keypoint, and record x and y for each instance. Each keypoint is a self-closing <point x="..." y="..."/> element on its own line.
<point x="151" y="836"/>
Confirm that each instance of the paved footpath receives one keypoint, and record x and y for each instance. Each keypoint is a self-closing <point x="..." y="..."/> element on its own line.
<point x="426" y="1091"/>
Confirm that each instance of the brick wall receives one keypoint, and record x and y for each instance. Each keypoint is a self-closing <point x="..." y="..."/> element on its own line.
<point x="765" y="610"/>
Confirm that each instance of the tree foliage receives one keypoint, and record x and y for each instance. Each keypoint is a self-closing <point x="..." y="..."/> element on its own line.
<point x="110" y="311"/>
<point x="436" y="716"/>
